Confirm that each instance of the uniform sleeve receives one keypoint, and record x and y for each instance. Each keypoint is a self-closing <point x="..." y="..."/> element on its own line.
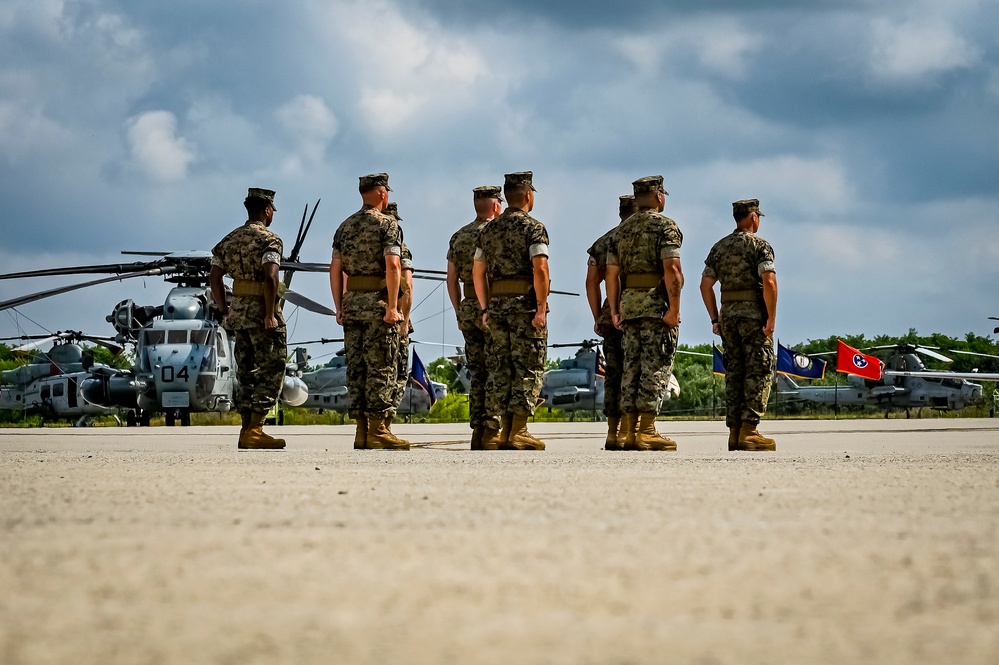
<point x="273" y="250"/>
<point x="337" y="242"/>
<point x="611" y="256"/>
<point x="391" y="237"/>
<point x="672" y="239"/>
<point x="537" y="240"/>
<point x="766" y="259"/>
<point x="217" y="255"/>
<point x="709" y="266"/>
<point x="407" y="258"/>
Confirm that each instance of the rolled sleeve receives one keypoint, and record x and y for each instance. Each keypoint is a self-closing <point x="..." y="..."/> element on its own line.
<point x="393" y="250"/>
<point x="670" y="252"/>
<point x="270" y="257"/>
<point x="538" y="249"/>
<point x="216" y="261"/>
<point x="767" y="266"/>
<point x="710" y="273"/>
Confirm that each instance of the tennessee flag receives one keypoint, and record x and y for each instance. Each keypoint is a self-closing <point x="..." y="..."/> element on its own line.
<point x="717" y="361"/>
<point x="422" y="379"/>
<point x="852" y="361"/>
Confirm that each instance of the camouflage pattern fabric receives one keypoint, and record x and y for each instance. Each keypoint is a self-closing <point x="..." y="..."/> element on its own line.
<point x="362" y="242"/>
<point x="738" y="262"/>
<point x="614" y="358"/>
<point x="372" y="369"/>
<point x="461" y="251"/>
<point x="613" y="351"/>
<point x="639" y="245"/>
<point x="516" y="350"/>
<point x="401" y="370"/>
<point x="242" y="255"/>
<point x="260" y="367"/>
<point x="649" y="347"/>
<point x="749" y="367"/>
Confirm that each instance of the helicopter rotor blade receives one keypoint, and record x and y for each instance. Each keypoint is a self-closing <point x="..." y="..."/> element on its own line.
<point x="441" y="344"/>
<point x="972" y="353"/>
<point x="932" y="354"/>
<point x="695" y="353"/>
<point x="323" y="340"/>
<point x="41" y="295"/>
<point x="307" y="303"/>
<point x="35" y="345"/>
<point x="82" y="270"/>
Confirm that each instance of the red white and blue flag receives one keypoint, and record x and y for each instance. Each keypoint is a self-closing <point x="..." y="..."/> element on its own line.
<point x="852" y="361"/>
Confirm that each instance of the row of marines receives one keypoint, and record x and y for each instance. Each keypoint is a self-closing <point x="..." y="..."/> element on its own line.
<point x="498" y="281"/>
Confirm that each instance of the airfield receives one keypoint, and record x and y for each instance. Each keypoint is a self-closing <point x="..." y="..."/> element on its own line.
<point x="859" y="541"/>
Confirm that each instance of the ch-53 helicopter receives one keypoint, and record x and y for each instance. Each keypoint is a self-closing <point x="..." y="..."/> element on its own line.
<point x="906" y="384"/>
<point x="183" y="356"/>
<point x="327" y="385"/>
<point x="51" y="383"/>
<point x="578" y="382"/>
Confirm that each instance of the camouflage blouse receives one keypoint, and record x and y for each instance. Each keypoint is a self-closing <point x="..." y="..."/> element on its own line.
<point x="461" y="249"/>
<point x="598" y="258"/>
<point x="362" y="242"/>
<point x="639" y="245"/>
<point x="242" y="255"/>
<point x="738" y="261"/>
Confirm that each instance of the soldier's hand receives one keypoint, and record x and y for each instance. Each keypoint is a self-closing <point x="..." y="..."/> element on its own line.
<point x="540" y="320"/>
<point x="768" y="328"/>
<point x="716" y="328"/>
<point x="270" y="323"/>
<point x="392" y="315"/>
<point x="485" y="319"/>
<point x="339" y="317"/>
<point x="672" y="318"/>
<point x="616" y="319"/>
<point x="596" y="329"/>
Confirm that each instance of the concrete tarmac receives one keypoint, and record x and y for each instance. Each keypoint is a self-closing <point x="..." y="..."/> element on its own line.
<point x="873" y="541"/>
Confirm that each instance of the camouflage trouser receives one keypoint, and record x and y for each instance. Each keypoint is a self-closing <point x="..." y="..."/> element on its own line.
<point x="260" y="367"/>
<point x="614" y="357"/>
<point x="470" y="324"/>
<point x="402" y="370"/>
<point x="372" y="368"/>
<point x="749" y="368"/>
<point x="649" y="348"/>
<point x="515" y="362"/>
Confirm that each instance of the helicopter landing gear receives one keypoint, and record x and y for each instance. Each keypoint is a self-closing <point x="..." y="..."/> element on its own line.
<point x="185" y="418"/>
<point x="137" y="418"/>
<point x="173" y="415"/>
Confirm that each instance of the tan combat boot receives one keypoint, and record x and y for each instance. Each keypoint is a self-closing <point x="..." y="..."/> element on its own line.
<point x="477" y="432"/>
<point x="505" y="431"/>
<point x="648" y="437"/>
<point x="751" y="439"/>
<point x="520" y="438"/>
<point x="380" y="436"/>
<point x="361" y="433"/>
<point x="490" y="438"/>
<point x="612" y="442"/>
<point x="254" y="438"/>
<point x="626" y="433"/>
<point x="733" y="436"/>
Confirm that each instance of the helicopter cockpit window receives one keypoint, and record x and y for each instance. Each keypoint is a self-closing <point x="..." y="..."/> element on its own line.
<point x="45" y="392"/>
<point x="176" y="337"/>
<point x="199" y="337"/>
<point x="58" y="390"/>
<point x="154" y="336"/>
<point x="220" y="345"/>
<point x="952" y="383"/>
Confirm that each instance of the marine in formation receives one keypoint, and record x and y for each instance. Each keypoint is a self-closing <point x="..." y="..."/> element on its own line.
<point x="405" y="306"/>
<point x="510" y="273"/>
<point x="488" y="203"/>
<point x="251" y="255"/>
<point x="743" y="263"/>
<point x="365" y="281"/>
<point x="644" y="279"/>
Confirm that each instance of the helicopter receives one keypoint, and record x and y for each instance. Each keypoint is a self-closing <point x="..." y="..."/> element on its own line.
<point x="327" y="385"/>
<point x="578" y="382"/>
<point x="183" y="356"/>
<point x="906" y="384"/>
<point x="51" y="383"/>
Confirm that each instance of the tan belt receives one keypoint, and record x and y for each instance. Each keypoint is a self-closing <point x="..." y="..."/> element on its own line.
<point x="740" y="295"/>
<point x="643" y="280"/>
<point x="468" y="289"/>
<point x="247" y="288"/>
<point x="511" y="287"/>
<point x="365" y="283"/>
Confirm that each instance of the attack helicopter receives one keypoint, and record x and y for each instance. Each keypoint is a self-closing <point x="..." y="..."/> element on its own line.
<point x="578" y="382"/>
<point x="327" y="385"/>
<point x="906" y="384"/>
<point x="51" y="383"/>
<point x="183" y="355"/>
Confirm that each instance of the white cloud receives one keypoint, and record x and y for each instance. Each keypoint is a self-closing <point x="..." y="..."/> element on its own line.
<point x="155" y="147"/>
<point x="24" y="129"/>
<point x="311" y="125"/>
<point x="909" y="52"/>
<point x="720" y="45"/>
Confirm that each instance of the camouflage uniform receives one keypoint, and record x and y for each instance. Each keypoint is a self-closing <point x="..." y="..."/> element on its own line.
<point x="461" y="251"/>
<point x="613" y="350"/>
<point x="362" y="241"/>
<point x="738" y="261"/>
<point x="406" y="263"/>
<point x="516" y="349"/>
<point x="260" y="355"/>
<point x="638" y="246"/>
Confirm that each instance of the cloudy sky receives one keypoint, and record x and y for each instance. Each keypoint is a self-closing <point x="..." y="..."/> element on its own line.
<point x="867" y="129"/>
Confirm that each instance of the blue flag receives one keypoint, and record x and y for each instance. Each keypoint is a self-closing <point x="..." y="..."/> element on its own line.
<point x="792" y="363"/>
<point x="422" y="379"/>
<point x="718" y="365"/>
